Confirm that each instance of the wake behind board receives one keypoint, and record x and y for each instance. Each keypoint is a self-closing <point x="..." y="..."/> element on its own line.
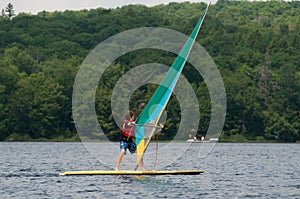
<point x="132" y="172"/>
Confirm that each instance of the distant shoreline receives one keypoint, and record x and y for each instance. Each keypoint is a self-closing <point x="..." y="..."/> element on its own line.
<point x="69" y="140"/>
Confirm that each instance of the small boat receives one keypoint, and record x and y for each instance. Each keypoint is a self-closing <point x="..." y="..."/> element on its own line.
<point x="201" y="140"/>
<point x="213" y="139"/>
<point x="193" y="140"/>
<point x="196" y="138"/>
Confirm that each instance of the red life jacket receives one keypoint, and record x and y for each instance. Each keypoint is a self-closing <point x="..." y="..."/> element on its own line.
<point x="127" y="129"/>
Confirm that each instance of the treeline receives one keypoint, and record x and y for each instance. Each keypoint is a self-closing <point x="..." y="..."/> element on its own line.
<point x="256" y="46"/>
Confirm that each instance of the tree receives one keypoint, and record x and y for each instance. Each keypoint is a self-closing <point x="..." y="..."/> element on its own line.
<point x="17" y="57"/>
<point x="2" y="14"/>
<point x="35" y="107"/>
<point x="265" y="80"/>
<point x="255" y="45"/>
<point x="277" y="126"/>
<point x="10" y="13"/>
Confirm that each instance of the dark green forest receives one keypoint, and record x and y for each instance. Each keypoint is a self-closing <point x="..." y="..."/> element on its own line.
<point x="255" y="45"/>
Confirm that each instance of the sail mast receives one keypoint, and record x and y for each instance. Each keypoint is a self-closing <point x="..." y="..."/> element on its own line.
<point x="152" y="113"/>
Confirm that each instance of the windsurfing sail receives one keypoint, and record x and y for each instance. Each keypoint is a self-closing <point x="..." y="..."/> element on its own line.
<point x="147" y="122"/>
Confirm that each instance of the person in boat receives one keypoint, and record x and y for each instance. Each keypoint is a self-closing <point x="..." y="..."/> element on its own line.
<point x="126" y="138"/>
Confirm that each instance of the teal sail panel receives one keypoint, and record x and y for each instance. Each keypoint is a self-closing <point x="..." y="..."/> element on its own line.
<point x="157" y="103"/>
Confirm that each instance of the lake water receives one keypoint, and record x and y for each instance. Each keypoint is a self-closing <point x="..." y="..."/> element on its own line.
<point x="30" y="170"/>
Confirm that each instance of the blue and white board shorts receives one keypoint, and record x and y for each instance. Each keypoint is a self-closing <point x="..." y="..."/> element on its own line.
<point x="131" y="146"/>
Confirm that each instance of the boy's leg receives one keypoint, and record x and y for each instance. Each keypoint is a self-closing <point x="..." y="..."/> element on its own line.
<point x="123" y="148"/>
<point x="121" y="154"/>
<point x="142" y="165"/>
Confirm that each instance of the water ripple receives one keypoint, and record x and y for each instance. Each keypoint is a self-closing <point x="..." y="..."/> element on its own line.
<point x="30" y="170"/>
